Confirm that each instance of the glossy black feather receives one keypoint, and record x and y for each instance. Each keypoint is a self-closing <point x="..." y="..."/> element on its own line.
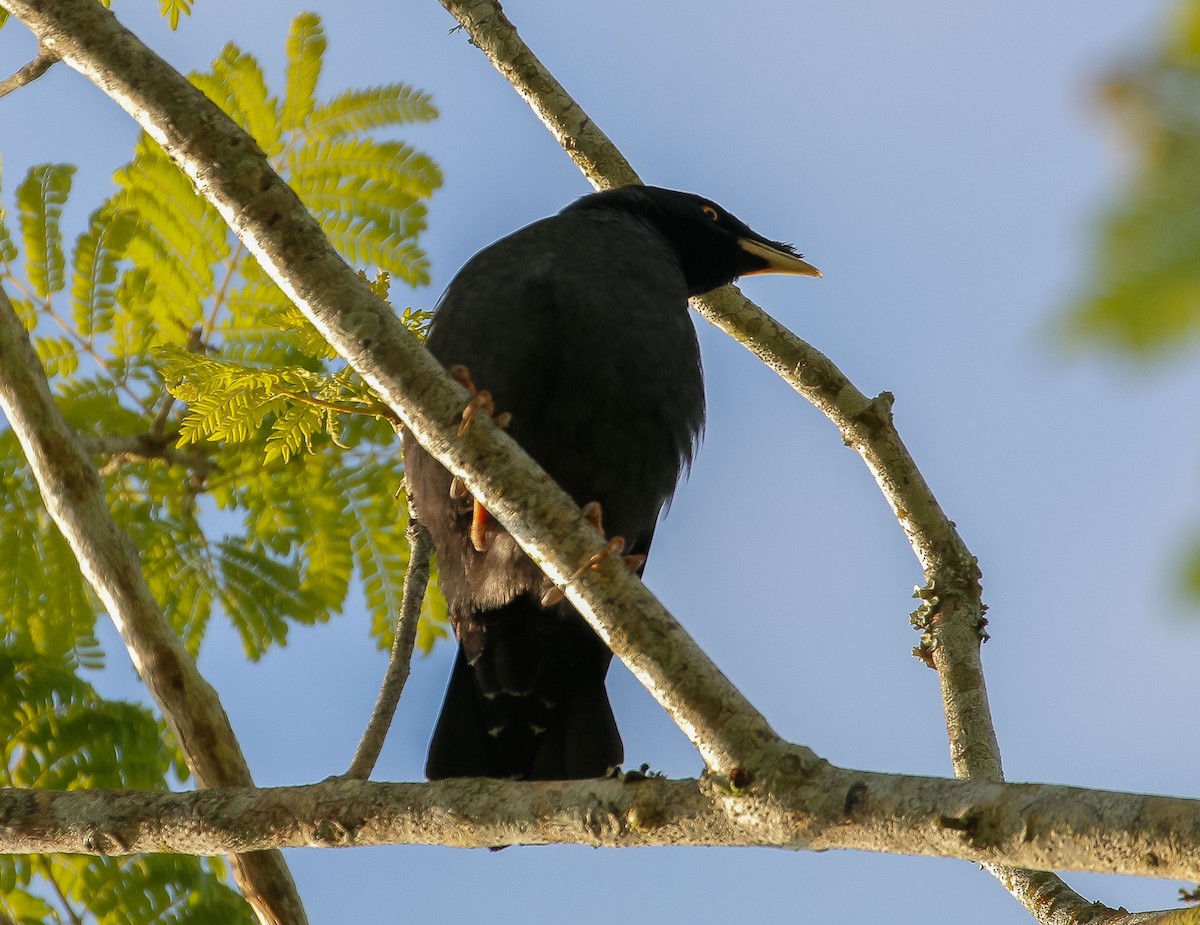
<point x="579" y="327"/>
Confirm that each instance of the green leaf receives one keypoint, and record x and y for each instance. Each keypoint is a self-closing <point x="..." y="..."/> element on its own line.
<point x="57" y="733"/>
<point x="8" y="250"/>
<point x="179" y="568"/>
<point x="260" y="593"/>
<point x="305" y="49"/>
<point x="1141" y="295"/>
<point x="341" y="163"/>
<point x="357" y="111"/>
<point x="47" y="606"/>
<point x="99" y="252"/>
<point x="162" y="297"/>
<point x="59" y="355"/>
<point x="238" y="86"/>
<point x="163" y="889"/>
<point x="21" y="906"/>
<point x="173" y="9"/>
<point x="293" y="429"/>
<point x="40" y="200"/>
<point x="178" y="242"/>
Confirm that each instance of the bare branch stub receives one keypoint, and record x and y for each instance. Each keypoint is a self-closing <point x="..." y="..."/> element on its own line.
<point x="29" y="73"/>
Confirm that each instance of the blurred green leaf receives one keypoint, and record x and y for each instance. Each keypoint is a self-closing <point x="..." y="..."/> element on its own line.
<point x="199" y="386"/>
<point x="1141" y="296"/>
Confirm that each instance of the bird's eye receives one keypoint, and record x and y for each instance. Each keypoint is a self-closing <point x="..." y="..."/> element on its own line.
<point x="711" y="213"/>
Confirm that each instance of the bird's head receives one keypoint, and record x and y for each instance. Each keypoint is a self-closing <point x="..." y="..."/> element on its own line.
<point x="713" y="246"/>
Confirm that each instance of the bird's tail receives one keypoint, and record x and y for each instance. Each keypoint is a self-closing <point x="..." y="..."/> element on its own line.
<point x="527" y="701"/>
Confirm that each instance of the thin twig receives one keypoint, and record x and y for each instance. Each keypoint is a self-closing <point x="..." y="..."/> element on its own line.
<point x="28" y="74"/>
<point x="416" y="579"/>
<point x="48" y="873"/>
<point x="372" y="410"/>
<point x="145" y="446"/>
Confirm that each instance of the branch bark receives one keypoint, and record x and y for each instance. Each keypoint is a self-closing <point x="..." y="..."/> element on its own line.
<point x="416" y="580"/>
<point x="27" y="74"/>
<point x="1033" y="824"/>
<point x="74" y="496"/>
<point x="735" y="740"/>
<point x="953" y="611"/>
<point x="150" y="445"/>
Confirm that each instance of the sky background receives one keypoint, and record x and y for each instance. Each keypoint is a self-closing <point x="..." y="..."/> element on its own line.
<point x="944" y="165"/>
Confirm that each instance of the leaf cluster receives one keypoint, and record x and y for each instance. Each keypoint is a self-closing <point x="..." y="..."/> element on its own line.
<point x="1142" y="299"/>
<point x="256" y="473"/>
<point x="56" y="732"/>
<point x="1143" y="292"/>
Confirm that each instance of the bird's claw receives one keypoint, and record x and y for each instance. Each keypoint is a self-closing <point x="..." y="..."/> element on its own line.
<point x="481" y="403"/>
<point x="482" y="529"/>
<point x="615" y="546"/>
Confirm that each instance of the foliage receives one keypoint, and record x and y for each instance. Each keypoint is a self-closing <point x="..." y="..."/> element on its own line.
<point x="208" y="399"/>
<point x="57" y="732"/>
<point x="1143" y="299"/>
<point x="173" y="9"/>
<point x="1143" y="294"/>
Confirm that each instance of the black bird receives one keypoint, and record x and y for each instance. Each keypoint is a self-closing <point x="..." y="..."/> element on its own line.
<point x="578" y="327"/>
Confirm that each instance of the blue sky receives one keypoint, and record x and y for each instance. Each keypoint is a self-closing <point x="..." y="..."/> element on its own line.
<point x="943" y="165"/>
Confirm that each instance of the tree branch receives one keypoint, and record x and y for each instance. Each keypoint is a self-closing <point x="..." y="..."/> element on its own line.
<point x="28" y="74"/>
<point x="152" y="445"/>
<point x="74" y="497"/>
<point x="230" y="170"/>
<point x="1032" y="824"/>
<point x="416" y="580"/>
<point x="954" y="612"/>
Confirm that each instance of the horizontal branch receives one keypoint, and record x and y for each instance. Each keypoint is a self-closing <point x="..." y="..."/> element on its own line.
<point x="1031" y="825"/>
<point x="74" y="497"/>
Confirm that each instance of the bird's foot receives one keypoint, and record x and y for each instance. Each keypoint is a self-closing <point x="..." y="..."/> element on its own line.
<point x="483" y="527"/>
<point x="481" y="403"/>
<point x="615" y="546"/>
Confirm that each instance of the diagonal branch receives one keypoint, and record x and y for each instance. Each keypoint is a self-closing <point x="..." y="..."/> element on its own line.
<point x="270" y="220"/>
<point x="74" y="496"/>
<point x="953" y="613"/>
<point x="230" y="170"/>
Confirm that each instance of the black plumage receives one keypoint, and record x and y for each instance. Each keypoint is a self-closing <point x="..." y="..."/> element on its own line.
<point x="578" y="326"/>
